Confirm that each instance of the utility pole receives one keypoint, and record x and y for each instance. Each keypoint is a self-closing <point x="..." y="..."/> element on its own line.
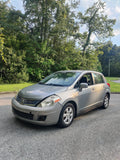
<point x="109" y="68"/>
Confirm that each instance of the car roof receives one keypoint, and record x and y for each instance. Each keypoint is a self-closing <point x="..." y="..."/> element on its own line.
<point x="81" y="71"/>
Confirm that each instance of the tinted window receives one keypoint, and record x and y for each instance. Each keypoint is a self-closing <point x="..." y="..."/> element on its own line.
<point x="60" y="78"/>
<point x="98" y="78"/>
<point x="86" y="78"/>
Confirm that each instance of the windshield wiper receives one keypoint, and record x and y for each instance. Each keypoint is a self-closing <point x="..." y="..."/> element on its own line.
<point x="51" y="84"/>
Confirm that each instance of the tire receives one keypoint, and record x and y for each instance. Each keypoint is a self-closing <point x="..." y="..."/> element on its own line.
<point x="106" y="102"/>
<point x="66" y="116"/>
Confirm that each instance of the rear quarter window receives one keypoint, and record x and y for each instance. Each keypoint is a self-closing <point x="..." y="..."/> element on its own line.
<point x="98" y="78"/>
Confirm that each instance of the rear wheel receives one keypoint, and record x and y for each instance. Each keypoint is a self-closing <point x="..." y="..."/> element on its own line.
<point x="67" y="115"/>
<point x="106" y="102"/>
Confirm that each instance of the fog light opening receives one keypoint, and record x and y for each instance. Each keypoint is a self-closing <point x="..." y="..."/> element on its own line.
<point x="42" y="118"/>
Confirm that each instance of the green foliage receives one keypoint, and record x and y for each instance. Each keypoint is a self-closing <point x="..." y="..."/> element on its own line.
<point x="49" y="24"/>
<point x="96" y="23"/>
<point x="110" y="59"/>
<point x="13" y="66"/>
<point x="41" y="62"/>
<point x="66" y="56"/>
<point x="2" y="44"/>
<point x="47" y="38"/>
<point x="14" y="70"/>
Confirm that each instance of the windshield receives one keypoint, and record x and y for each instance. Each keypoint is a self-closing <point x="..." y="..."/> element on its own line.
<point x="60" y="78"/>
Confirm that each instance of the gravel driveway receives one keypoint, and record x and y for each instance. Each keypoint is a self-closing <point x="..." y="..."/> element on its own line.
<point x="92" y="136"/>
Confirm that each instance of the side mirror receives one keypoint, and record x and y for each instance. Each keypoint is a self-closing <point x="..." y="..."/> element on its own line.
<point x="83" y="85"/>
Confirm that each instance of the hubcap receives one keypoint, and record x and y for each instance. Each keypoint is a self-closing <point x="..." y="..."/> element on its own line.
<point x="106" y="102"/>
<point x="68" y="115"/>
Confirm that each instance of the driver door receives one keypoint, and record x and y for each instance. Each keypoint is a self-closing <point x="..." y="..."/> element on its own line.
<point x="85" y="97"/>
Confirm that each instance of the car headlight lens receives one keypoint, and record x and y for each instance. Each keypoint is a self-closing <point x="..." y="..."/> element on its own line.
<point x="49" y="101"/>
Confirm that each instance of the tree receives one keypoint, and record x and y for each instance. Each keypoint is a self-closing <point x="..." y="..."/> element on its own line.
<point x="2" y="44"/>
<point x="39" y="17"/>
<point x="13" y="65"/>
<point x="50" y="25"/>
<point x="96" y="23"/>
<point x="43" y="40"/>
<point x="110" y="59"/>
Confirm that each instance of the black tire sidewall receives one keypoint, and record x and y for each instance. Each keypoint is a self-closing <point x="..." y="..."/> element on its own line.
<point x="104" y="102"/>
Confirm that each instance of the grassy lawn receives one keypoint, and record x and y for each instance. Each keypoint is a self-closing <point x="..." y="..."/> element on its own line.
<point x="115" y="87"/>
<point x="13" y="87"/>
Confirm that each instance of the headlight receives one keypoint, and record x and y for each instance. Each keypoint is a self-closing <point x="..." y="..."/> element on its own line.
<point x="49" y="101"/>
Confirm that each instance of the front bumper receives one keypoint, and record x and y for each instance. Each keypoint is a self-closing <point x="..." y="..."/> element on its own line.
<point x="43" y="116"/>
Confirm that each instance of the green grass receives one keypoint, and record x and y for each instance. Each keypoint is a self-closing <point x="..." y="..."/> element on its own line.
<point x="114" y="87"/>
<point x="13" y="87"/>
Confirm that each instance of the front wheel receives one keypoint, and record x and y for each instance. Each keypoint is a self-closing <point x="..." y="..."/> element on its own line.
<point x="67" y="115"/>
<point x="106" y="102"/>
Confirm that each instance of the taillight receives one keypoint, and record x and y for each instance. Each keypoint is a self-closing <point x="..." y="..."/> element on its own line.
<point x="108" y="84"/>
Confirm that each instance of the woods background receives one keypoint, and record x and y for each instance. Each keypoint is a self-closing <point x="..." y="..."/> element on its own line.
<point x="47" y="37"/>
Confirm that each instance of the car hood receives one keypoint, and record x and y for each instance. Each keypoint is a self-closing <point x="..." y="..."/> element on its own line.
<point x="40" y="92"/>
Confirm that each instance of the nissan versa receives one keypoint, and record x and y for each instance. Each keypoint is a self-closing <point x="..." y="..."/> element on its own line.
<point x="60" y="97"/>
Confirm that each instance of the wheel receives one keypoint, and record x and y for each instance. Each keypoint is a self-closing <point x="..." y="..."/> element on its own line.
<point x="106" y="102"/>
<point x="67" y="115"/>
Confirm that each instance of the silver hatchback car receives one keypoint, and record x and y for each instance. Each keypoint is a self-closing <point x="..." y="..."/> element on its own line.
<point x="60" y="97"/>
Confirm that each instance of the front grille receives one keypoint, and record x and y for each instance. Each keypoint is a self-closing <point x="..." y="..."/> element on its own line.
<point x="25" y="101"/>
<point x="23" y="114"/>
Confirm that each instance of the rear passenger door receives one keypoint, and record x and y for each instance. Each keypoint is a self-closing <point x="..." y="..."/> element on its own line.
<point x="99" y="87"/>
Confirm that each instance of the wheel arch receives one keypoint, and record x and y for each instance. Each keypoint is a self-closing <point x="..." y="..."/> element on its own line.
<point x="108" y="94"/>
